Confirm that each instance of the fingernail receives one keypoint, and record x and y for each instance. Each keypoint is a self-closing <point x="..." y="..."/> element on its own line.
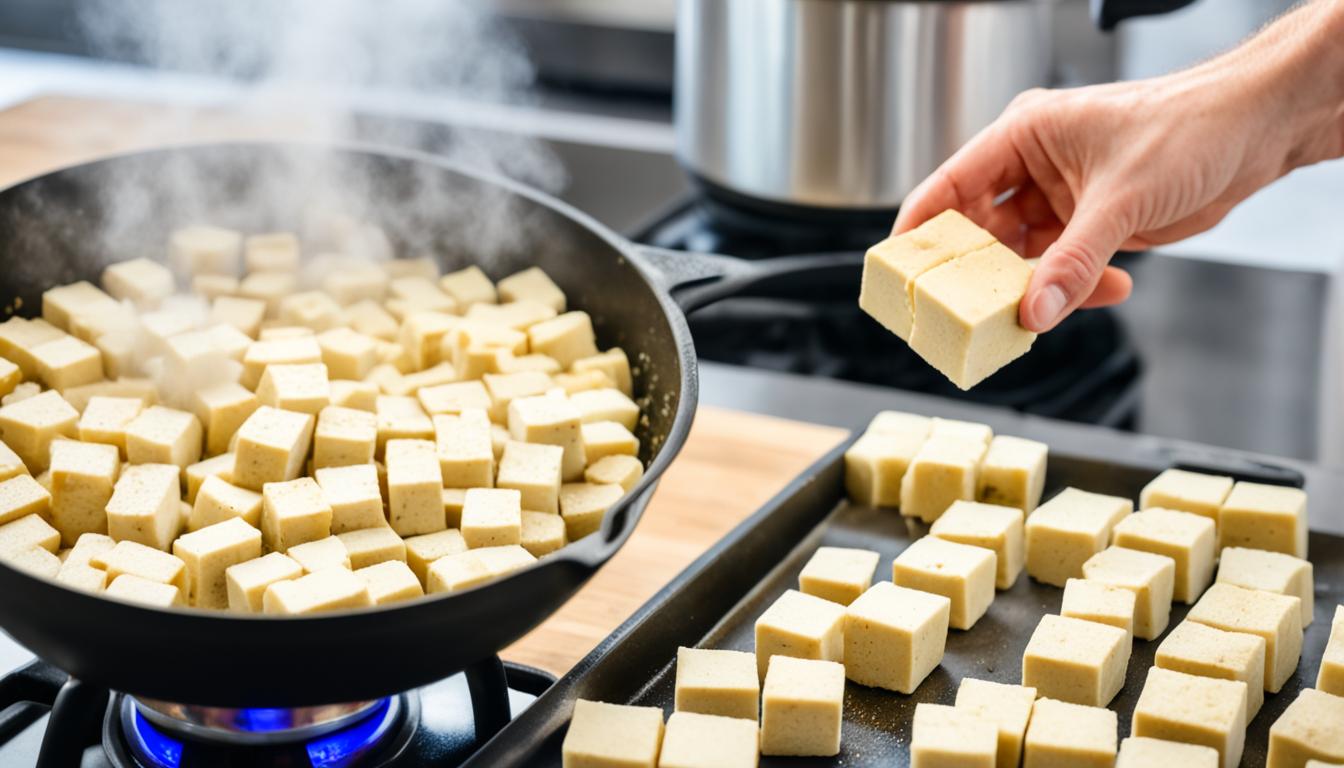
<point x="1048" y="306"/>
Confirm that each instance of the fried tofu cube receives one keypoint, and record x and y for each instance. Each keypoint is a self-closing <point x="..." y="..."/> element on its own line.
<point x="611" y="735"/>
<point x="505" y="387"/>
<point x="68" y="362"/>
<point x="29" y="426"/>
<point x="414" y="486"/>
<point x="299" y="350"/>
<point x="1193" y="709"/>
<point x="550" y="421"/>
<point x="1192" y="492"/>
<point x="943" y="736"/>
<point x="1013" y="473"/>
<point x="1151" y="577"/>
<point x="1276" y="618"/>
<point x="271" y="447"/>
<point x="534" y="471"/>
<point x="161" y="435"/>
<point x="1186" y="538"/>
<point x="244" y="314"/>
<point x="1330" y="677"/>
<point x="219" y="500"/>
<point x="204" y="249"/>
<point x="466" y="455"/>
<point x="144" y="505"/>
<point x="82" y="477"/>
<point x="370" y="546"/>
<point x="401" y="418"/>
<point x="961" y="573"/>
<point x="208" y="552"/>
<point x="1270" y="572"/>
<point x="838" y="574"/>
<point x="802" y="626"/>
<point x="1008" y="707"/>
<point x="21" y="496"/>
<point x="222" y="408"/>
<point x="146" y="592"/>
<point x="1196" y="649"/>
<point x="423" y="550"/>
<point x="624" y="471"/>
<point x="344" y="437"/>
<point x="29" y="531"/>
<point x="246" y="583"/>
<point x="142" y="282"/>
<point x="331" y="589"/>
<point x="1142" y="752"/>
<point x="1311" y="728"/>
<point x="492" y="517"/>
<point x="606" y="405"/>
<point x="145" y="562"/>
<point x="354" y="496"/>
<point x="1077" y="661"/>
<point x="1064" y="734"/>
<point x="802" y="707"/>
<point x="1065" y="531"/>
<point x="943" y="471"/>
<point x="272" y="252"/>
<point x="1269" y="517"/>
<point x="105" y="418"/>
<point x="390" y="581"/>
<point x="320" y="554"/>
<point x="990" y="526"/>
<point x="894" y="637"/>
<point x="1100" y="603"/>
<point x="293" y="513"/>
<point x="583" y="507"/>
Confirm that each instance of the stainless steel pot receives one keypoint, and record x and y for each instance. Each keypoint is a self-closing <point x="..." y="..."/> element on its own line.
<point x="848" y="104"/>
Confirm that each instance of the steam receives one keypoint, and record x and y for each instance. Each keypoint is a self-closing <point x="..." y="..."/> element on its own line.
<point x="299" y="66"/>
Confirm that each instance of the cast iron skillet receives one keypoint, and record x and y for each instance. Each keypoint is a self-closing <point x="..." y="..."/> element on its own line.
<point x="66" y="225"/>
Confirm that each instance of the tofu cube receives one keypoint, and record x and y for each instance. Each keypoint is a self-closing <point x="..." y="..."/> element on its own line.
<point x="1151" y="578"/>
<point x="578" y="382"/>
<point x="802" y="707"/>
<point x="475" y="567"/>
<point x="34" y="561"/>
<point x="161" y="435"/>
<point x="68" y="362"/>
<point x="354" y="497"/>
<point x="612" y="736"/>
<point x="607" y="438"/>
<point x="331" y="589"/>
<point x="584" y="506"/>
<point x="1100" y="603"/>
<point x="1081" y="662"/>
<point x="145" y="592"/>
<point x="21" y="496"/>
<point x="613" y="364"/>
<point x="466" y="455"/>
<point x="400" y="417"/>
<point x="244" y="314"/>
<point x="144" y="505"/>
<point x="891" y="267"/>
<point x="550" y="421"/>
<point x="84" y="578"/>
<point x="477" y="348"/>
<point x="1064" y="734"/>
<point x="894" y="637"/>
<point x="838" y="574"/>
<point x="271" y="447"/>
<point x="28" y="427"/>
<point x="542" y="533"/>
<point x="219" y="500"/>
<point x="492" y="517"/>
<point x="344" y="437"/>
<point x="299" y="388"/>
<point x="105" y="418"/>
<point x="606" y="405"/>
<point x="694" y="740"/>
<point x="518" y="315"/>
<point x="877" y="462"/>
<point x="1311" y="728"/>
<point x="1013" y="473"/>
<point x="359" y="395"/>
<point x="1270" y="572"/>
<point x="222" y="409"/>
<point x="142" y="282"/>
<point x="29" y="531"/>
<point x="965" y="314"/>
<point x="1142" y="752"/>
<point x="293" y="513"/>
<point x="356" y="282"/>
<point x="82" y="478"/>
<point x="320" y="554"/>
<point x="204" y="249"/>
<point x="412" y="295"/>
<point x="1330" y="677"/>
<point x="959" y="572"/>
<point x="19" y="336"/>
<point x="369" y="318"/>
<point x="310" y="309"/>
<point x="12" y="466"/>
<point x="1196" y="649"/>
<point x="534" y="471"/>
<point x="348" y="354"/>
<point x="1192" y="492"/>
<point x="424" y="550"/>
<point x="1008" y="707"/>
<point x="1067" y="530"/>
<point x="624" y="471"/>
<point x="801" y="626"/>
<point x="390" y="581"/>
<point x="10" y="376"/>
<point x="989" y="526"/>
<point x="220" y="466"/>
<point x="453" y="398"/>
<point x="942" y="472"/>
<point x="504" y="387"/>
<point x="714" y="682"/>
<point x="62" y="304"/>
<point x="949" y="737"/>
<point x="1185" y="537"/>
<point x="371" y="546"/>
<point x="1276" y="618"/>
<point x="272" y="252"/>
<point x="469" y="286"/>
<point x="144" y="562"/>
<point x="211" y="550"/>
<point x="1195" y="710"/>
<point x="532" y="284"/>
<point x="414" y="487"/>
<point x="300" y="350"/>
<point x="422" y="335"/>
<point x="247" y="582"/>
<point x="1269" y="517"/>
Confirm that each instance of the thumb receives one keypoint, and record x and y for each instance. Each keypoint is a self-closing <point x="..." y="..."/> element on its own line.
<point x="1069" y="269"/>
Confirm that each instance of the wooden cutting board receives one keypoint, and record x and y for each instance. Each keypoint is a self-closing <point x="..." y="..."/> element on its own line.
<point x="731" y="465"/>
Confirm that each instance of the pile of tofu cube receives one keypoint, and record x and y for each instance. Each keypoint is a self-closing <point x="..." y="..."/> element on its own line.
<point x="326" y="432"/>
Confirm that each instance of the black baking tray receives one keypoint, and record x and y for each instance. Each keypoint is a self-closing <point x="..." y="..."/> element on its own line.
<point x="714" y="603"/>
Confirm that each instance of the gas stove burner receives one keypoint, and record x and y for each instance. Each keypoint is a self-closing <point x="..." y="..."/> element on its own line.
<point x="140" y="735"/>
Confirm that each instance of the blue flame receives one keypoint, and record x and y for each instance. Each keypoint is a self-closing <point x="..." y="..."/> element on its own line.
<point x="344" y="747"/>
<point x="151" y="743"/>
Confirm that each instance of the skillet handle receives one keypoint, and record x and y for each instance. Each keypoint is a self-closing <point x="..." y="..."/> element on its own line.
<point x="696" y="280"/>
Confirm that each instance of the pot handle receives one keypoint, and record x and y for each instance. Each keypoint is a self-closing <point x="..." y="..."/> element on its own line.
<point x="696" y="280"/>
<point x="1108" y="13"/>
